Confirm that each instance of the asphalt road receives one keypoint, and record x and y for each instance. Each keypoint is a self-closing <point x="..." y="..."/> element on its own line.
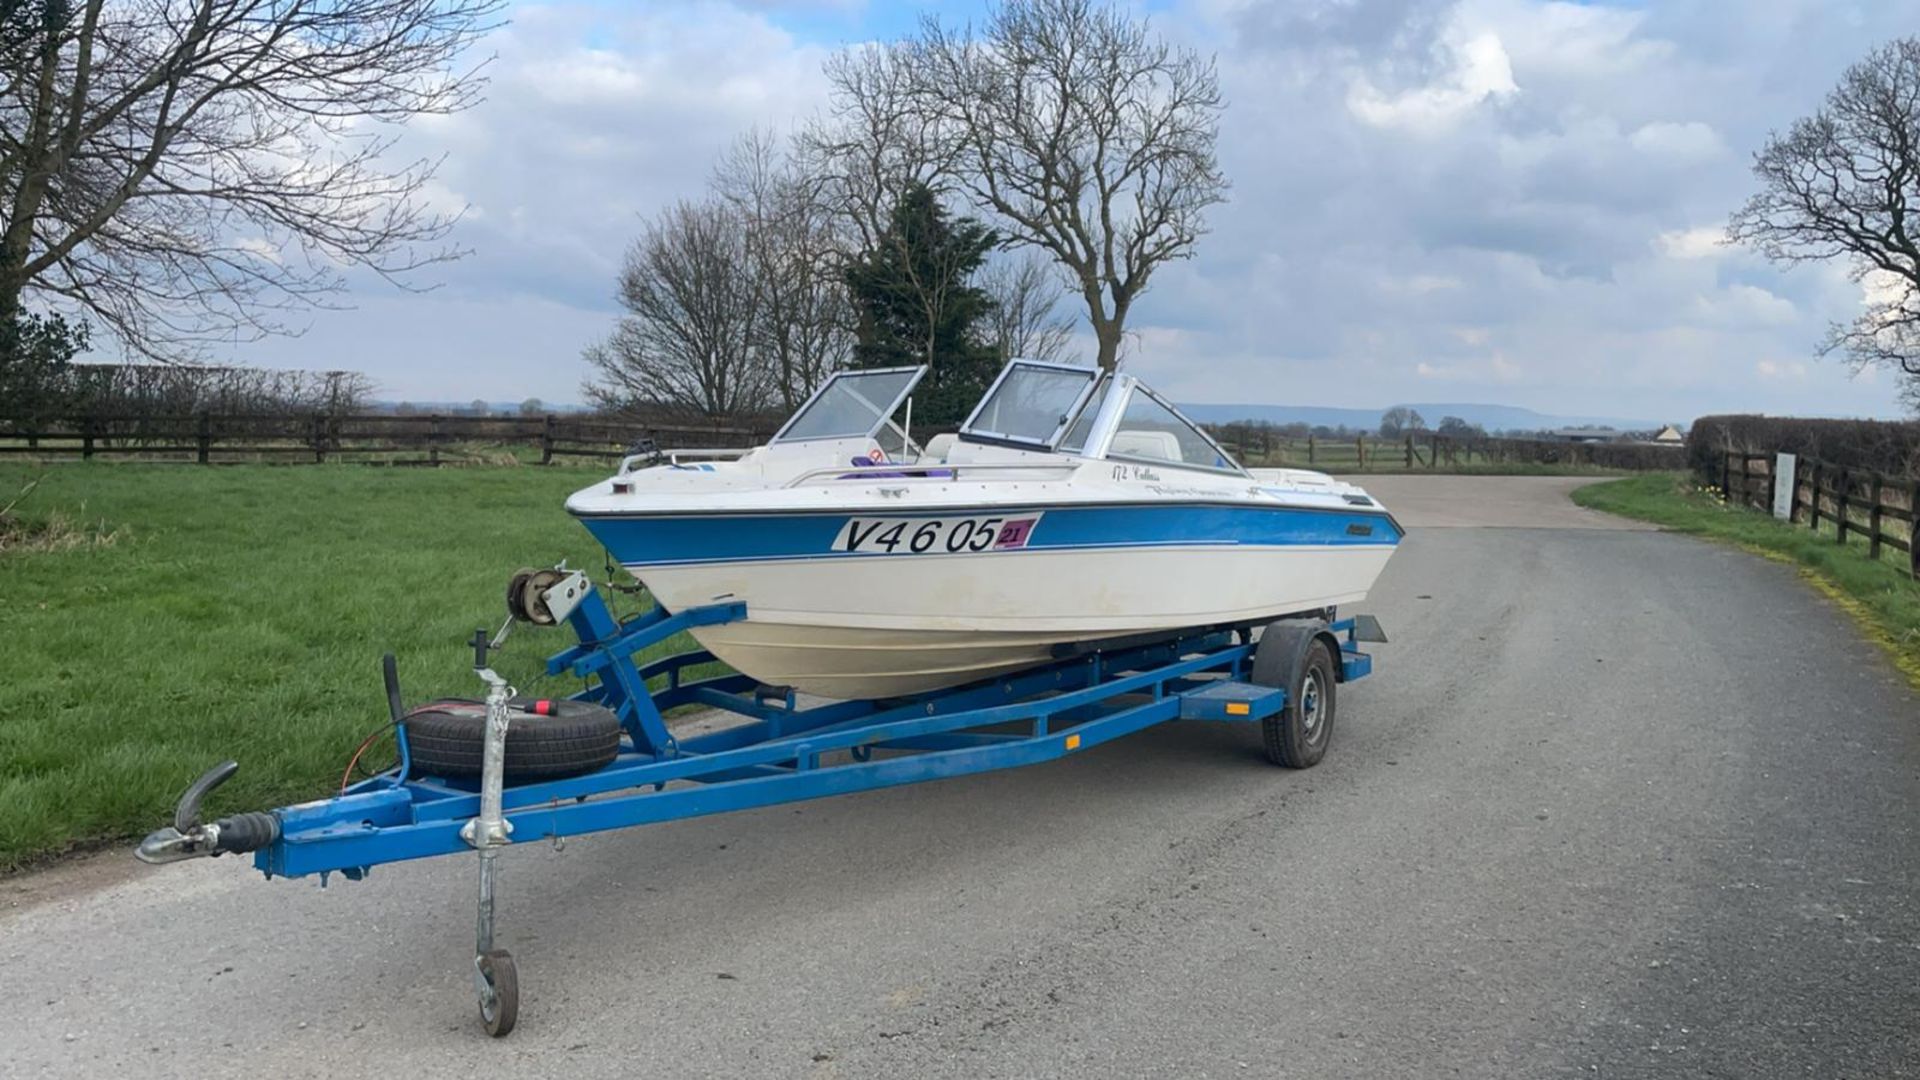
<point x="1616" y="803"/>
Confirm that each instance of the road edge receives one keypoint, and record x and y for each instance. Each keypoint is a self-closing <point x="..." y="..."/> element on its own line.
<point x="1905" y="660"/>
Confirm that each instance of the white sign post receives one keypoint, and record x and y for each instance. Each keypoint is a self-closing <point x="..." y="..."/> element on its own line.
<point x="1784" y="482"/>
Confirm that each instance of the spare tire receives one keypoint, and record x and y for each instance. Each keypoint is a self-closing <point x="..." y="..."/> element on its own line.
<point x="446" y="738"/>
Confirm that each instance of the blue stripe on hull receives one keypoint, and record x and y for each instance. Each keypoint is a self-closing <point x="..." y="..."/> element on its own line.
<point x="686" y="540"/>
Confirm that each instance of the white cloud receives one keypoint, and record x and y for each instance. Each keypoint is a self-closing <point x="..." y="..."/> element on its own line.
<point x="1494" y="369"/>
<point x="1700" y="242"/>
<point x="1479" y="71"/>
<point x="1517" y="199"/>
<point x="1689" y="142"/>
<point x="1420" y="284"/>
<point x="1740" y="305"/>
<point x="1880" y="289"/>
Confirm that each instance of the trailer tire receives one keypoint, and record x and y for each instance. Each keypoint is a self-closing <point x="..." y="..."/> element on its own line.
<point x="1296" y="737"/>
<point x="447" y="738"/>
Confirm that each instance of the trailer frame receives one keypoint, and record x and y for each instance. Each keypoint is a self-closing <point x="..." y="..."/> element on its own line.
<point x="782" y="750"/>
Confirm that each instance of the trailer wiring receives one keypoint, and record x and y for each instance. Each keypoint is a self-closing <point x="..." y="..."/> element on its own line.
<point x="346" y="777"/>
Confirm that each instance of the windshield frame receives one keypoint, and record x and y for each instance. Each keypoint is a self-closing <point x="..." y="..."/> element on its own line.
<point x="1135" y="386"/>
<point x="883" y="419"/>
<point x="969" y="433"/>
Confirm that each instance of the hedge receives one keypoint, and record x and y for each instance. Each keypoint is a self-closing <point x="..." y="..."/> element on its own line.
<point x="1891" y="448"/>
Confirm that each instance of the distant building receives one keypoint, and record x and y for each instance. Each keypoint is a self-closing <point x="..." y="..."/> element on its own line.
<point x="1669" y="435"/>
<point x="1583" y="434"/>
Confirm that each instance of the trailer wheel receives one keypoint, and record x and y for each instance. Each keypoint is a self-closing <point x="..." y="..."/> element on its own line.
<point x="576" y="737"/>
<point x="500" y="1001"/>
<point x="1296" y="737"/>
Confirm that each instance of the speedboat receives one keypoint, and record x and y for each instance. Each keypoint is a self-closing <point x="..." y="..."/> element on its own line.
<point x="1072" y="507"/>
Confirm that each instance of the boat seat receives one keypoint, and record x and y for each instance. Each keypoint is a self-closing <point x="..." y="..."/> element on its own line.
<point x="1134" y="442"/>
<point x="938" y="447"/>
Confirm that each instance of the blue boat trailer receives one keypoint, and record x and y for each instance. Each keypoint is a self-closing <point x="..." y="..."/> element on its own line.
<point x="781" y="750"/>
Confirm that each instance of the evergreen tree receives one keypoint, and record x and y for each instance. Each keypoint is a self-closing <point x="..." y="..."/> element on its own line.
<point x="35" y="351"/>
<point x="915" y="305"/>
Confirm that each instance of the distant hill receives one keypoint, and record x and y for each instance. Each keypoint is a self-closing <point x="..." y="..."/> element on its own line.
<point x="1491" y="417"/>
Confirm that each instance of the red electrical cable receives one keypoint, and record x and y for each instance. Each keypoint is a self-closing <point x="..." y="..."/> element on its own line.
<point x="347" y="776"/>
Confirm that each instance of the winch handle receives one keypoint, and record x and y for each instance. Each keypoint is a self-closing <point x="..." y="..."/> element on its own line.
<point x="480" y="649"/>
<point x="186" y="814"/>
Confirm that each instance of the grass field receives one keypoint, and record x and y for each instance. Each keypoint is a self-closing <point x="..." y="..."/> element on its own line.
<point x="1878" y="593"/>
<point x="192" y="614"/>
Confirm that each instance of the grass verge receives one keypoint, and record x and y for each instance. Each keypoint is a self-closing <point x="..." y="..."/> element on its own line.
<point x="1877" y="593"/>
<point x="1473" y="469"/>
<point x="241" y="612"/>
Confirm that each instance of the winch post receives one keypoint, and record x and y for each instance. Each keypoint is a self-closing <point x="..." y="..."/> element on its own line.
<point x="605" y="651"/>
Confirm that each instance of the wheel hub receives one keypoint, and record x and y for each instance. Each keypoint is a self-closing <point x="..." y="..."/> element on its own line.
<point x="1310" y="715"/>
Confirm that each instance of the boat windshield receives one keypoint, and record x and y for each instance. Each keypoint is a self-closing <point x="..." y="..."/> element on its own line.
<point x="1030" y="403"/>
<point x="1076" y="440"/>
<point x="851" y="405"/>
<point x="1151" y="432"/>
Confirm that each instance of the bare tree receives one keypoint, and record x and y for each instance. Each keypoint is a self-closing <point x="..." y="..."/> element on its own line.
<point x="804" y="330"/>
<point x="1399" y="421"/>
<point x="1026" y="290"/>
<point x="1092" y="138"/>
<point x="689" y="336"/>
<point x="191" y="170"/>
<point x="1844" y="183"/>
<point x="875" y="143"/>
<point x="876" y="140"/>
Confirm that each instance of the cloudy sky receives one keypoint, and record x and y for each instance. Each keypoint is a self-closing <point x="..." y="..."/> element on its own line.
<point x="1508" y="201"/>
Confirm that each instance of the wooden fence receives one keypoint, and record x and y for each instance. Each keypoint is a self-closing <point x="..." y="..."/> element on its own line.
<point x="1857" y="502"/>
<point x="210" y="438"/>
<point x="1430" y="450"/>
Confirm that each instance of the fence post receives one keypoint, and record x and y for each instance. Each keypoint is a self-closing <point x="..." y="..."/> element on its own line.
<point x="1409" y="463"/>
<point x="1309" y="449"/>
<point x="1873" y="520"/>
<point x="86" y="437"/>
<point x="1813" y="495"/>
<point x="546" y="440"/>
<point x="1793" y="490"/>
<point x="317" y="438"/>
<point x="433" y="439"/>
<point x="203" y="442"/>
<point x="1840" y="504"/>
<point x="1360" y="450"/>
<point x="1913" y="530"/>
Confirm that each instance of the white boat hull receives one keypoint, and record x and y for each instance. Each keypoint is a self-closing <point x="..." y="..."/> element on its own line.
<point x="883" y="627"/>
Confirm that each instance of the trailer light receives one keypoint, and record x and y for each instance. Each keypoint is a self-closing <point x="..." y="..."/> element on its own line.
<point x="1239" y="708"/>
<point x="1073" y="742"/>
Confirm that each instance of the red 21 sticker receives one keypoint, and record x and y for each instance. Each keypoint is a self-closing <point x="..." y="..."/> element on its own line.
<point x="1014" y="534"/>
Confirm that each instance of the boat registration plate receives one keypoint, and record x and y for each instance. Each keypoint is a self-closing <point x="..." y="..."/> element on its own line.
<point x="935" y="535"/>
